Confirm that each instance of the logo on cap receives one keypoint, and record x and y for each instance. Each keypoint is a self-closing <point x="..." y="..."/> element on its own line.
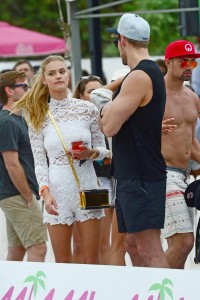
<point x="190" y="195"/>
<point x="188" y="47"/>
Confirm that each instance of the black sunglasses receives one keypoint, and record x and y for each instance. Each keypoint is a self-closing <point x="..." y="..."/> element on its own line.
<point x="23" y="85"/>
<point x="115" y="41"/>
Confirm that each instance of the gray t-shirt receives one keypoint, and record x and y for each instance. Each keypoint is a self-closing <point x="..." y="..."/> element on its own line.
<point x="14" y="136"/>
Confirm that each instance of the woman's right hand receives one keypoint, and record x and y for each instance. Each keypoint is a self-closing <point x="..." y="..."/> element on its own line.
<point x="50" y="203"/>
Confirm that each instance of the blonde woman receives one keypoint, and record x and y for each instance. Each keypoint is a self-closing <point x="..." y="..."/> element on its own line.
<point x="77" y="120"/>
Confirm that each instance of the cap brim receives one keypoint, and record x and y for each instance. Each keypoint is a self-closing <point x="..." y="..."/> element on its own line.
<point x="197" y="55"/>
<point x="112" y="31"/>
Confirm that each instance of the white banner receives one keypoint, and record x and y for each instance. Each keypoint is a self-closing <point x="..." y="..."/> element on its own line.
<point x="50" y="281"/>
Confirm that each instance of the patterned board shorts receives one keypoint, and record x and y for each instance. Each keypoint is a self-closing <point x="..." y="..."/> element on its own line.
<point x="179" y="218"/>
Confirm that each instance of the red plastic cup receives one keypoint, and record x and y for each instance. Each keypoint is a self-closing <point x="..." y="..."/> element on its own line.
<point x="75" y="145"/>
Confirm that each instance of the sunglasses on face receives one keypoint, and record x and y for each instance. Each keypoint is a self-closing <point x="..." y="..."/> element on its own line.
<point x="184" y="64"/>
<point x="23" y="85"/>
<point x="115" y="41"/>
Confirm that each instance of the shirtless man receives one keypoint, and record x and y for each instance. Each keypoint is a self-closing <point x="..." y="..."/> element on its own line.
<point x="177" y="148"/>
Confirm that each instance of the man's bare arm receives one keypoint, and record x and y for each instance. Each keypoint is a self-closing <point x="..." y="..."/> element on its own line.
<point x="137" y="89"/>
<point x="195" y="150"/>
<point x="114" y="84"/>
<point x="17" y="174"/>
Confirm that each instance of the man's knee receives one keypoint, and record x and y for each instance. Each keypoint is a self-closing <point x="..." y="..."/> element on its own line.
<point x="38" y="249"/>
<point x="188" y="242"/>
<point x="16" y="253"/>
<point x="182" y="242"/>
<point x="130" y="244"/>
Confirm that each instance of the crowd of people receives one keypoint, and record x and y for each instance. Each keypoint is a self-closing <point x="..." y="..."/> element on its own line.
<point x="136" y="138"/>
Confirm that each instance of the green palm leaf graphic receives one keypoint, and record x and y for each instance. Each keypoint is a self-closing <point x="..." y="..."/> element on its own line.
<point x="169" y="292"/>
<point x="35" y="289"/>
<point x="167" y="281"/>
<point x="40" y="273"/>
<point x="162" y="294"/>
<point x="37" y="281"/>
<point x="30" y="278"/>
<point x="155" y="287"/>
<point x="162" y="288"/>
<point x="42" y="284"/>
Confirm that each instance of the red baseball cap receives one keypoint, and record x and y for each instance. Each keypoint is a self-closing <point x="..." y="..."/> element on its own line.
<point x="180" y="48"/>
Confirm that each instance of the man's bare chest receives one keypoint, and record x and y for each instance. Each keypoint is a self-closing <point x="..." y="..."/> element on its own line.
<point x="182" y="110"/>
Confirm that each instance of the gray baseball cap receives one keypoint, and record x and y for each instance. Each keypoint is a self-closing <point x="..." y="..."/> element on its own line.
<point x="132" y="26"/>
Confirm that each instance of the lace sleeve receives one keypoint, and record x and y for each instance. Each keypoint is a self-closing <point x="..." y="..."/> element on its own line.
<point x="98" y="139"/>
<point x="40" y="157"/>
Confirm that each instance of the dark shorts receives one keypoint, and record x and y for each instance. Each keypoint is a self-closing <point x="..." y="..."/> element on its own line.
<point x="140" y="207"/>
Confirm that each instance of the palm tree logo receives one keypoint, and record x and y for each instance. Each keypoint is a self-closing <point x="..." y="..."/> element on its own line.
<point x="37" y="281"/>
<point x="163" y="289"/>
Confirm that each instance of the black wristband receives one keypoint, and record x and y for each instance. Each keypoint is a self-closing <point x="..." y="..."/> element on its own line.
<point x="101" y="116"/>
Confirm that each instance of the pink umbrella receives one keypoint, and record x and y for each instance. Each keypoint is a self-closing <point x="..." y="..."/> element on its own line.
<point x="20" y="42"/>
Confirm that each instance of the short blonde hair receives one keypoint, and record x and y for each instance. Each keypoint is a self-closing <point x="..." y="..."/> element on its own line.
<point x="35" y="102"/>
<point x="138" y="44"/>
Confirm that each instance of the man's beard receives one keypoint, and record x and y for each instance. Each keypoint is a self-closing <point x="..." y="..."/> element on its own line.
<point x="185" y="78"/>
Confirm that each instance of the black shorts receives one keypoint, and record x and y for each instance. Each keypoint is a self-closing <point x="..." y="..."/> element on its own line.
<point x="140" y="206"/>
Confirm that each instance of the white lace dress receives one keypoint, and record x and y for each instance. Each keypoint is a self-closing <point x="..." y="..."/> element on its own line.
<point x="77" y="120"/>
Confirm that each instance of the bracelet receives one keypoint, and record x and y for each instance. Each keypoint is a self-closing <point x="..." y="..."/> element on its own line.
<point x="42" y="189"/>
<point x="93" y="156"/>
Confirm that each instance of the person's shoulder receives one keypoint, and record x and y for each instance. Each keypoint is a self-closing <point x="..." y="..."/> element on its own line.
<point x="147" y="62"/>
<point x="8" y="125"/>
<point x="191" y="92"/>
<point x="194" y="98"/>
<point x="5" y="116"/>
<point x="140" y="72"/>
<point x="8" y="120"/>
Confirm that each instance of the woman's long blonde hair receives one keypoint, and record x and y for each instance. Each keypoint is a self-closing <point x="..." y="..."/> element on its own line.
<point x="35" y="102"/>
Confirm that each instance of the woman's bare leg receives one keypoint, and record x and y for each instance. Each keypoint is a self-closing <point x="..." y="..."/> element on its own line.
<point x="105" y="248"/>
<point x="117" y="245"/>
<point x="90" y="233"/>
<point x="60" y="236"/>
<point x="77" y="254"/>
